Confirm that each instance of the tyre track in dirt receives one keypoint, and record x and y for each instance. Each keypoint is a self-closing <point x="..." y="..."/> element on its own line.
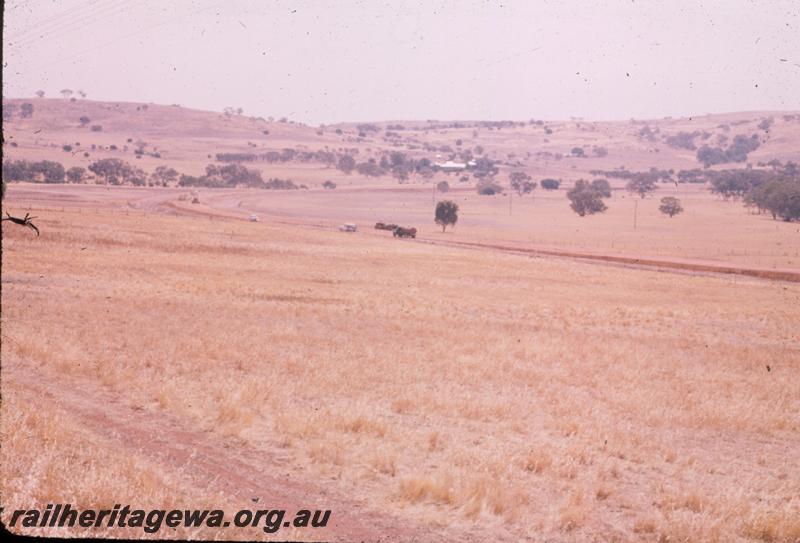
<point x="208" y="461"/>
<point x="673" y="266"/>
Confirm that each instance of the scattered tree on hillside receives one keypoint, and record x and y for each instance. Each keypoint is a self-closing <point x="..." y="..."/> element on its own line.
<point x="40" y="93"/>
<point x="765" y="124"/>
<point x="82" y="94"/>
<point x="66" y="93"/>
<point x="346" y="163"/>
<point x="736" y="152"/>
<point x="641" y="185"/>
<point x="522" y="182"/>
<point x="585" y="199"/>
<point x="446" y="213"/>
<point x="329" y="185"/>
<point x="670" y="206"/>
<point x="683" y="140"/>
<point x="84" y="120"/>
<point x="577" y="151"/>
<point x="550" y="184"/>
<point x="443" y="186"/>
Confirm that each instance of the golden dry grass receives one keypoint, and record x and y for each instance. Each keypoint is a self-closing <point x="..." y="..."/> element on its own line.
<point x="47" y="458"/>
<point x="469" y="392"/>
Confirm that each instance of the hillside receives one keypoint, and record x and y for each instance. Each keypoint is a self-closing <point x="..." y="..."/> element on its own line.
<point x="189" y="139"/>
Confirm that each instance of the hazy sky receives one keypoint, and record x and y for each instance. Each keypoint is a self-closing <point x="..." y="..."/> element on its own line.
<point x="322" y="62"/>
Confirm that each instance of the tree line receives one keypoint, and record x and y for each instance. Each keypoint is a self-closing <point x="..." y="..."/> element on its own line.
<point x="775" y="191"/>
<point x="114" y="171"/>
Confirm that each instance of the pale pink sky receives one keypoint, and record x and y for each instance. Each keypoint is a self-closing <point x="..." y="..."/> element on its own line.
<point x="323" y="62"/>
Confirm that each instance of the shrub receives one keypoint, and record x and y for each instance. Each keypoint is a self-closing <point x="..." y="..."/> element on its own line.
<point x="488" y="188"/>
<point x="550" y="184"/>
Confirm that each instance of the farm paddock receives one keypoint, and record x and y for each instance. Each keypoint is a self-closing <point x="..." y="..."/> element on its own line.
<point x="463" y="394"/>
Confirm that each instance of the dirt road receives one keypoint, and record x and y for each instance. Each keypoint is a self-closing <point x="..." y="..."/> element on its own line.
<point x="220" y="466"/>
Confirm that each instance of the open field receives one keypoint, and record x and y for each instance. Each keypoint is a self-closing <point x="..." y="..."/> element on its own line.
<point x="418" y="390"/>
<point x="710" y="232"/>
<point x="527" y="375"/>
<point x="363" y="272"/>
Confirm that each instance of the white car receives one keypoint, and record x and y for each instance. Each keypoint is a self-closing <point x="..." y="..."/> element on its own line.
<point x="253" y="218"/>
<point x="347" y="227"/>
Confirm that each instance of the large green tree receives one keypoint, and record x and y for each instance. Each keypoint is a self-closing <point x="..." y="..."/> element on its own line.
<point x="446" y="213"/>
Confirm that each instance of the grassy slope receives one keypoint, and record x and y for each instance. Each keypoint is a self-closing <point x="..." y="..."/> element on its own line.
<point x="186" y="137"/>
<point x="491" y="393"/>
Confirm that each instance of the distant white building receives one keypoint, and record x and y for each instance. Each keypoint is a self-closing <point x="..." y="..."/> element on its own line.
<point x="451" y="166"/>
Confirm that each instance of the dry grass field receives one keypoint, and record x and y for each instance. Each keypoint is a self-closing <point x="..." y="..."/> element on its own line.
<point x="502" y="380"/>
<point x="420" y="391"/>
<point x="710" y="231"/>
